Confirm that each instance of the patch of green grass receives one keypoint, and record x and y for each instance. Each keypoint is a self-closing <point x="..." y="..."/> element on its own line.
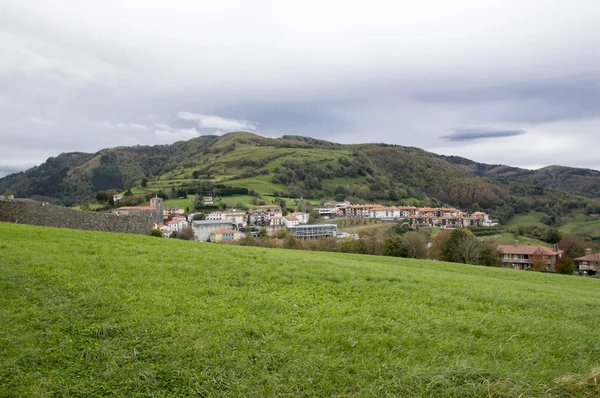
<point x="96" y="314"/>
<point x="532" y="218"/>
<point x="508" y="239"/>
<point x="183" y="203"/>
<point x="583" y="226"/>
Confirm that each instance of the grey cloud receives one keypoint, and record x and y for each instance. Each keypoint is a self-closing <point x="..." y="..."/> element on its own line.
<point x="478" y="134"/>
<point x="344" y="77"/>
<point x="535" y="101"/>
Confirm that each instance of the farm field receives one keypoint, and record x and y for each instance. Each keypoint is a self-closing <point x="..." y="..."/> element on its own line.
<point x="95" y="314"/>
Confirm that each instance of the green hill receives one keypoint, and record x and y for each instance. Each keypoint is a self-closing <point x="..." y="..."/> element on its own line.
<point x="96" y="314"/>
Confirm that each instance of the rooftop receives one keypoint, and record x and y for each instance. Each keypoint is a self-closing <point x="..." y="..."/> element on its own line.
<point x="527" y="249"/>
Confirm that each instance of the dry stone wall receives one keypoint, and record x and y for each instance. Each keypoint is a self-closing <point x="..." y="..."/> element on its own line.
<point x="37" y="213"/>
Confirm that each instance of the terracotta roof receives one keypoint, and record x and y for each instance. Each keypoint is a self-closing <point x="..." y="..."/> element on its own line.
<point x="291" y="218"/>
<point x="526" y="249"/>
<point x="386" y="208"/>
<point x="222" y="231"/>
<point x="269" y="206"/>
<point x="589" y="257"/>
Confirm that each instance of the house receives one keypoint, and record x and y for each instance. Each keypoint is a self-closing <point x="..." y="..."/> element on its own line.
<point x="155" y="210"/>
<point x="177" y="224"/>
<point x="385" y="213"/>
<point x="314" y="231"/>
<point x="302" y="217"/>
<point x="207" y="200"/>
<point x="262" y="214"/>
<point x="235" y="216"/>
<point x="422" y="221"/>
<point x="523" y="256"/>
<point x="173" y="211"/>
<point x="276" y="221"/>
<point x="328" y="212"/>
<point x="203" y="228"/>
<point x="357" y="210"/>
<point x="118" y="197"/>
<point x="451" y="221"/>
<point x="164" y="230"/>
<point x="406" y="211"/>
<point x="291" y="221"/>
<point x="588" y="264"/>
<point x="224" y="235"/>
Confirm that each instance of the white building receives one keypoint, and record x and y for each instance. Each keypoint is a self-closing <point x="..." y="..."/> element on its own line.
<point x="177" y="224"/>
<point x="291" y="221"/>
<point x="302" y="217"/>
<point x="328" y="212"/>
<point x="202" y="229"/>
<point x="385" y="213"/>
<point x="235" y="216"/>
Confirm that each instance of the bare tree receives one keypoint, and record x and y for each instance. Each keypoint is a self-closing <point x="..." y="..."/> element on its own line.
<point x="467" y="250"/>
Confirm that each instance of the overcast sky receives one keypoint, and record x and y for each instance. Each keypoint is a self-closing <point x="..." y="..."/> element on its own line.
<point x="511" y="82"/>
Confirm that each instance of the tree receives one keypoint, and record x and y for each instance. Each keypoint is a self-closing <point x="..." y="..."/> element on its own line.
<point x="290" y="242"/>
<point x="572" y="245"/>
<point x="144" y="182"/>
<point x="490" y="255"/>
<point x="262" y="233"/>
<point x="459" y="239"/>
<point x="553" y="236"/>
<point x="415" y="245"/>
<point x="465" y="249"/>
<point x="564" y="265"/>
<point x="156" y="232"/>
<point x="101" y="197"/>
<point x="186" y="234"/>
<point x="434" y="251"/>
<point x="199" y="216"/>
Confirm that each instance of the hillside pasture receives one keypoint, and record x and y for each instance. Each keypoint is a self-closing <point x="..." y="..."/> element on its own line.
<point x="97" y="314"/>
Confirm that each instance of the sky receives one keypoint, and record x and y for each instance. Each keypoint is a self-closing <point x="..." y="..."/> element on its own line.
<point x="500" y="82"/>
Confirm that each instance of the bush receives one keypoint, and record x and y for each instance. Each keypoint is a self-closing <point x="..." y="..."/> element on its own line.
<point x="156" y="232"/>
<point x="565" y="266"/>
<point x="186" y="234"/>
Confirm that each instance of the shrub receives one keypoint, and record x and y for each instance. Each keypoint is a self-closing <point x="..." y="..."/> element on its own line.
<point x="156" y="232"/>
<point x="564" y="266"/>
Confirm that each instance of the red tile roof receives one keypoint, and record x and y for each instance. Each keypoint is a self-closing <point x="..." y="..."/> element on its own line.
<point x="526" y="249"/>
<point x="589" y="257"/>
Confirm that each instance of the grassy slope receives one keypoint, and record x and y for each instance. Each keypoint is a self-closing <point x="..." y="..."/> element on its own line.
<point x="87" y="313"/>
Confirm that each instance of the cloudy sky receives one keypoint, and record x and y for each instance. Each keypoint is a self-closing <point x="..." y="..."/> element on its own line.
<point x="511" y="81"/>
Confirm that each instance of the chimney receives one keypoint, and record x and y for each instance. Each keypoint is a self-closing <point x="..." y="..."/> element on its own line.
<point x="516" y="243"/>
<point x="554" y="248"/>
<point x="588" y="252"/>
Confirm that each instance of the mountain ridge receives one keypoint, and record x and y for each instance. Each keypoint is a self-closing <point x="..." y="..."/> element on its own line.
<point x="297" y="166"/>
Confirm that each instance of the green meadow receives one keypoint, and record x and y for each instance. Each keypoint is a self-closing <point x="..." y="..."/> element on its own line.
<point x="96" y="314"/>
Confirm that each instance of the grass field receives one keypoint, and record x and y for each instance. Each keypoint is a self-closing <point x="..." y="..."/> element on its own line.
<point x="508" y="239"/>
<point x="582" y="226"/>
<point x="97" y="314"/>
<point x="532" y="218"/>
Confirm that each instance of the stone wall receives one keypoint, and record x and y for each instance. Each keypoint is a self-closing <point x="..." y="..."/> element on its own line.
<point x="37" y="213"/>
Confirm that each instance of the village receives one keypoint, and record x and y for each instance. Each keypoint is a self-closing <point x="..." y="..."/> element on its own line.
<point x="233" y="224"/>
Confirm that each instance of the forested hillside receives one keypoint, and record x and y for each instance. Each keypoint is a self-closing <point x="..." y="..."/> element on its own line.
<point x="295" y="166"/>
<point x="584" y="182"/>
